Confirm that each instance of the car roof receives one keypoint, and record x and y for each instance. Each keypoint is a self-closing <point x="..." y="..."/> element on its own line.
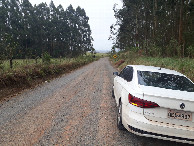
<point x="155" y="69"/>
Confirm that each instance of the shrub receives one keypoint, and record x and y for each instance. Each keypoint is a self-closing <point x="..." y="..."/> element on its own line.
<point x="190" y="51"/>
<point x="46" y="58"/>
<point x="173" y="49"/>
<point x="1" y="65"/>
<point x="154" y="50"/>
<point x="2" y="58"/>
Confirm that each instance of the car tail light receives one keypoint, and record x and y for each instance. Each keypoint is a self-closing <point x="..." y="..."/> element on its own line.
<point x="141" y="103"/>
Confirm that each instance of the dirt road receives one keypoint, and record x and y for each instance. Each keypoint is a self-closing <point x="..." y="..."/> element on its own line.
<point x="75" y="109"/>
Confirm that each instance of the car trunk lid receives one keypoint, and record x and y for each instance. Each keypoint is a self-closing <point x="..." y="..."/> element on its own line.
<point x="173" y="103"/>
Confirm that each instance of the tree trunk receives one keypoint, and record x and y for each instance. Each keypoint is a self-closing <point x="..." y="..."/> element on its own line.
<point x="181" y="27"/>
<point x="11" y="63"/>
<point x="146" y="28"/>
<point x="154" y="18"/>
<point x="136" y="33"/>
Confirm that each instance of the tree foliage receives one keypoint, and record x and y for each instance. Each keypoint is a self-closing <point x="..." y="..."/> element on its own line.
<point x="154" y="26"/>
<point x="43" y="28"/>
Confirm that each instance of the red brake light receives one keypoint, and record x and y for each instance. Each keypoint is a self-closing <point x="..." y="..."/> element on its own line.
<point x="141" y="103"/>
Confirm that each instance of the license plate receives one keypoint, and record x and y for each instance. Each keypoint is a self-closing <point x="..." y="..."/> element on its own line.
<point x="181" y="115"/>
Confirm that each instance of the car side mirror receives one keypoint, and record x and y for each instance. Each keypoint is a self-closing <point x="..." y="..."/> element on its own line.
<point x="115" y="73"/>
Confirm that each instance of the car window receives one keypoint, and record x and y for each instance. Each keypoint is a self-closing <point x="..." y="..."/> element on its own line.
<point x="127" y="73"/>
<point x="163" y="80"/>
<point x="122" y="73"/>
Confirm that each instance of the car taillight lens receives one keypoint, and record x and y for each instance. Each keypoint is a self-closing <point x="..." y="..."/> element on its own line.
<point x="141" y="103"/>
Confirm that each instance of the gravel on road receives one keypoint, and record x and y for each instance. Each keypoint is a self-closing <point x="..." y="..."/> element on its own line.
<point x="75" y="109"/>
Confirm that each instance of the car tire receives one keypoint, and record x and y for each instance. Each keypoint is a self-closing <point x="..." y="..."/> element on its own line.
<point x="119" y="117"/>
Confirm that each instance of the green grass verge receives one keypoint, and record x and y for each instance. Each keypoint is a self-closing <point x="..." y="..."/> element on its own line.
<point x="183" y="65"/>
<point x="19" y="63"/>
<point x="24" y="74"/>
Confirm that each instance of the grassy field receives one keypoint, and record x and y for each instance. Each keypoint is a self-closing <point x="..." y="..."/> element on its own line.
<point x="183" y="65"/>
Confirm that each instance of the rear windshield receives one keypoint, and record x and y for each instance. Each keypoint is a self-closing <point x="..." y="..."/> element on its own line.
<point x="162" y="80"/>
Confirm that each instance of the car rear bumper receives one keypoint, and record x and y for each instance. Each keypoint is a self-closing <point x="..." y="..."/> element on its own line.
<point x="138" y="124"/>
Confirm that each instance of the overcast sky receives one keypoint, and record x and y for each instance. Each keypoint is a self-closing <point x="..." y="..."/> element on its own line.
<point x="101" y="17"/>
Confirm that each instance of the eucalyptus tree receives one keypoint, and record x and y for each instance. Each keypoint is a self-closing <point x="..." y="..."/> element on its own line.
<point x="4" y="27"/>
<point x="52" y="29"/>
<point x="85" y="42"/>
<point x="29" y="31"/>
<point x="41" y="12"/>
<point x="159" y="27"/>
<point x="15" y="24"/>
<point x="27" y="28"/>
<point x="70" y="13"/>
<point x="61" y="48"/>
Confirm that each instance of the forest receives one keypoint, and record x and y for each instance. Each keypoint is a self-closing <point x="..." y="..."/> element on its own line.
<point x="28" y="31"/>
<point x="155" y="28"/>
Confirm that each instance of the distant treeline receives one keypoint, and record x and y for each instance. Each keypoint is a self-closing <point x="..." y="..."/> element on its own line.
<point x="158" y="27"/>
<point x="28" y="31"/>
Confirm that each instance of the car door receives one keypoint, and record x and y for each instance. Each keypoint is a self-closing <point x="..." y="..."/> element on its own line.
<point x="122" y="80"/>
<point x="118" y="81"/>
<point x="127" y="84"/>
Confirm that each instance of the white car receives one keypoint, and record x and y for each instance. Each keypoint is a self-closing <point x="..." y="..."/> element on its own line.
<point x="155" y="102"/>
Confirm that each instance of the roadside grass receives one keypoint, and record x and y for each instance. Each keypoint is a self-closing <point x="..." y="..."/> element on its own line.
<point x="182" y="65"/>
<point x="25" y="72"/>
<point x="18" y="63"/>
